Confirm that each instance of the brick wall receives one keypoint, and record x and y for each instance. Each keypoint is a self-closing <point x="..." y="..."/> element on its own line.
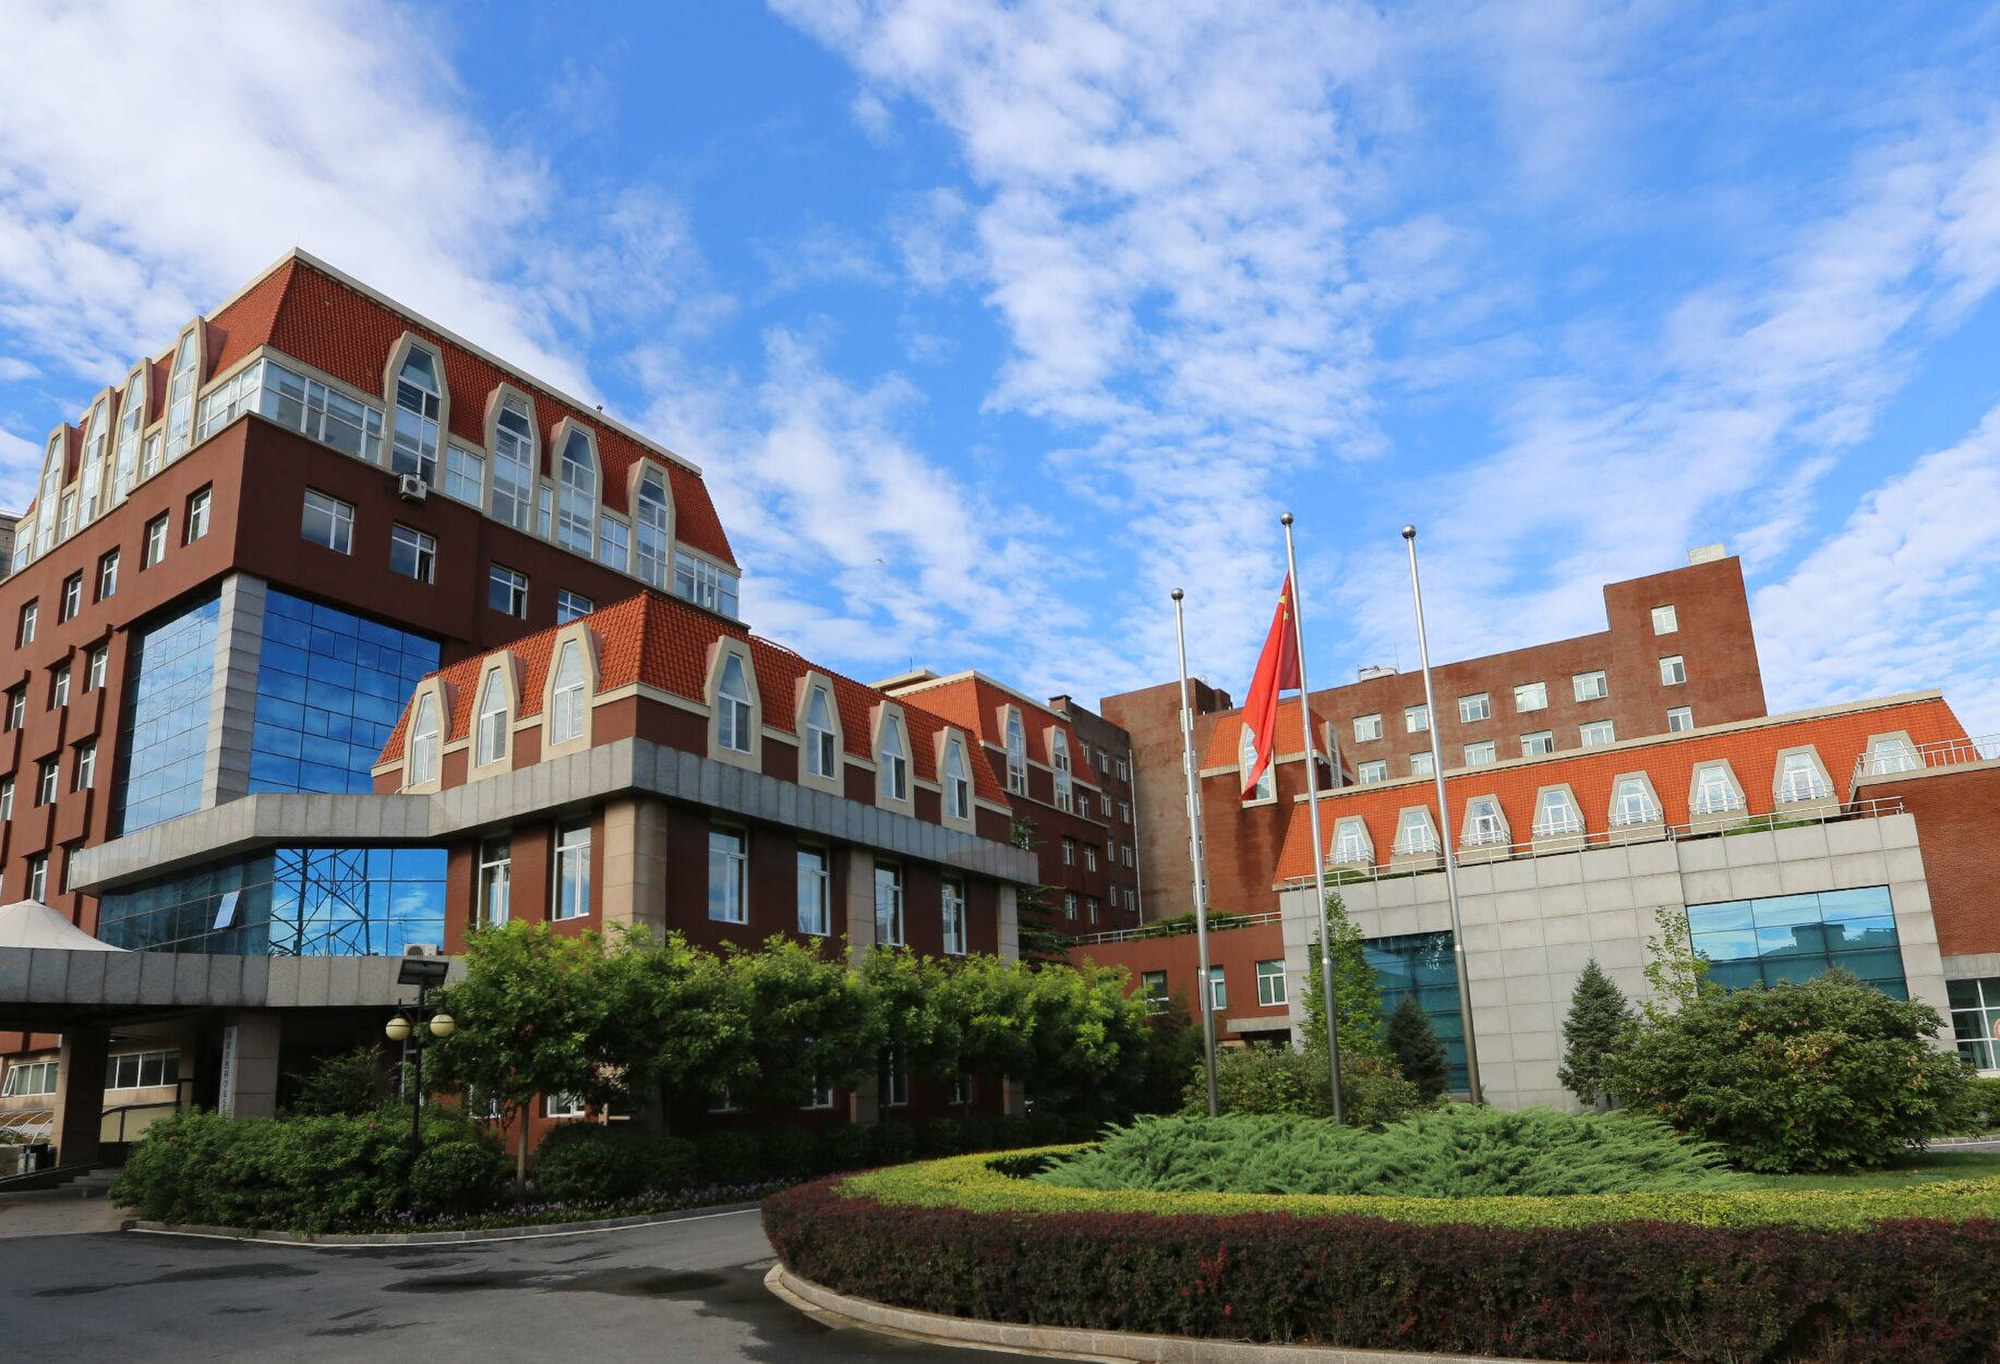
<point x="1958" y="824"/>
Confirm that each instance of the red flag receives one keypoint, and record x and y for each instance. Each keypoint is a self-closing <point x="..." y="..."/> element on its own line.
<point x="1277" y="670"/>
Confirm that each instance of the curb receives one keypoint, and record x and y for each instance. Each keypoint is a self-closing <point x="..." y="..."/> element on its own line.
<point x="352" y="1240"/>
<point x="1063" y="1342"/>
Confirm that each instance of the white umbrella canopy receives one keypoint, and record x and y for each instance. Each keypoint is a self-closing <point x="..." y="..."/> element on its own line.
<point x="29" y="923"/>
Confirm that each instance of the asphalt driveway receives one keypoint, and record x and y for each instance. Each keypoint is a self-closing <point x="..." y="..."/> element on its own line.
<point x="690" y="1290"/>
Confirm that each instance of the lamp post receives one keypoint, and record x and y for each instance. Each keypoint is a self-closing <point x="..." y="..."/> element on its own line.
<point x="408" y="1027"/>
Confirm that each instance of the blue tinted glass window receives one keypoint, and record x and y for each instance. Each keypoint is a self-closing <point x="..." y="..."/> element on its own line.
<point x="329" y="688"/>
<point x="1421" y="964"/>
<point x="294" y="902"/>
<point x="163" y="733"/>
<point x="1800" y="937"/>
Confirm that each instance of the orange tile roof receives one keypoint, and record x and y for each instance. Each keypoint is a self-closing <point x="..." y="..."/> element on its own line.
<point x="1751" y="748"/>
<point x="326" y="323"/>
<point x="664" y="643"/>
<point x="976" y="705"/>
<point x="1225" y="736"/>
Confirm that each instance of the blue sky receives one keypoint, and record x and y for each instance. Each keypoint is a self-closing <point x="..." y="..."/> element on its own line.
<point x="990" y="324"/>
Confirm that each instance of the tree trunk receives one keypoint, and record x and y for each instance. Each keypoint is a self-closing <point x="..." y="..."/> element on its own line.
<point x="521" y="1157"/>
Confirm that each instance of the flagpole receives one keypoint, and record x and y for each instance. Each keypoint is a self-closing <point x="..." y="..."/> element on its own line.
<point x="1444" y="829"/>
<point x="1203" y="987"/>
<point x="1319" y="847"/>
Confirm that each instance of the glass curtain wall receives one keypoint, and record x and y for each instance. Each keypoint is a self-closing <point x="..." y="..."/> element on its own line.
<point x="1420" y="964"/>
<point x="163" y="733"/>
<point x="1798" y="937"/>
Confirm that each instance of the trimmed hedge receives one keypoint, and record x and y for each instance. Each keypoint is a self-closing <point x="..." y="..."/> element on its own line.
<point x="976" y="1183"/>
<point x="1912" y="1290"/>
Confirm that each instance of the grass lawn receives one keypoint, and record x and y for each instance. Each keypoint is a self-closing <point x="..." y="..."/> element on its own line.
<point x="1905" y="1172"/>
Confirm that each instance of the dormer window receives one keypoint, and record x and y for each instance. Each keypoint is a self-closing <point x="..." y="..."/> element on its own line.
<point x="1059" y="760"/>
<point x="732" y="700"/>
<point x="1556" y="813"/>
<point x="567" y="699"/>
<point x="1267" y="780"/>
<point x="180" y="394"/>
<point x="1017" y="753"/>
<point x="1485" y="827"/>
<point x="47" y="499"/>
<point x="96" y="442"/>
<point x="131" y="425"/>
<point x="1715" y="790"/>
<point x="822" y="744"/>
<point x="513" y="500"/>
<point x="957" y="781"/>
<point x="1415" y="833"/>
<point x="490" y="745"/>
<point x="1891" y="753"/>
<point x="653" y="530"/>
<point x="1800" y="779"/>
<point x="419" y="403"/>
<point x="1351" y="845"/>
<point x="1632" y="803"/>
<point x="894" y="760"/>
<point x="576" y="517"/>
<point x="423" y="764"/>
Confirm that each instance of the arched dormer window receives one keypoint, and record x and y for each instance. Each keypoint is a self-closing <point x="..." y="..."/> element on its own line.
<point x="421" y="769"/>
<point x="131" y="426"/>
<point x="569" y="694"/>
<point x="576" y="503"/>
<point x="96" y="448"/>
<point x="1714" y="790"/>
<point x="1485" y="825"/>
<point x="822" y="739"/>
<point x="957" y="780"/>
<point x="892" y="760"/>
<point x="1267" y="780"/>
<point x="1416" y="833"/>
<point x="1556" y="813"/>
<point x="1889" y="754"/>
<point x="653" y="529"/>
<point x="1059" y="760"/>
<point x="1633" y="802"/>
<point x="419" y="414"/>
<point x="182" y="381"/>
<point x="1351" y="845"/>
<point x="514" y="460"/>
<point x="1802" y="777"/>
<point x="732" y="706"/>
<point x="49" y="495"/>
<point x="1017" y="753"/>
<point x="492" y="720"/>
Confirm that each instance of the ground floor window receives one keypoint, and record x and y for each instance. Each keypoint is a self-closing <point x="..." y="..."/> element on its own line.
<point x="1975" y="1017"/>
<point x="1421" y="965"/>
<point x="1270" y="983"/>
<point x="1153" y="985"/>
<point x="1800" y="937"/>
<point x="562" y="1105"/>
<point x="140" y="1070"/>
<point x="29" y="1077"/>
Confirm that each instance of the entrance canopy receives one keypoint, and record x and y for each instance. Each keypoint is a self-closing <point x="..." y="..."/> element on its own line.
<point x="31" y="924"/>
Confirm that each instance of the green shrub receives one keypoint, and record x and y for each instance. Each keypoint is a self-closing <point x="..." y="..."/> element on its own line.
<point x="892" y="1143"/>
<point x="976" y="1134"/>
<point x="588" y="1162"/>
<point x="1419" y="1056"/>
<point x="1453" y="1153"/>
<point x="846" y="1146"/>
<point x="729" y="1156"/>
<point x="1280" y="1082"/>
<point x="940" y="1137"/>
<point x="1819" y="1075"/>
<point x="786" y="1151"/>
<point x="1011" y="1131"/>
<point x="1979" y="1111"/>
<point x="344" y="1085"/>
<point x="457" y="1177"/>
<point x="1047" y="1127"/>
<point x="669" y="1164"/>
<point x="1918" y="1292"/>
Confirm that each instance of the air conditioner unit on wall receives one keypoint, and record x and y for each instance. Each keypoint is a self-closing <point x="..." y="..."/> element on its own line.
<point x="423" y="949"/>
<point x="411" y="487"/>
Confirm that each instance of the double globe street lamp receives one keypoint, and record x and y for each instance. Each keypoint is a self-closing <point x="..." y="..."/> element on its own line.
<point x="409" y="1027"/>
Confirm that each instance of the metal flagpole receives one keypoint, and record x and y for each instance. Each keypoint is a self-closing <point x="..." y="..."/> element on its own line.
<point x="1319" y="847"/>
<point x="1444" y="828"/>
<point x="1204" y="986"/>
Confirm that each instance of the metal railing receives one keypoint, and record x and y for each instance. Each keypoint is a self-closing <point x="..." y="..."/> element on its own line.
<point x="1984" y="748"/>
<point x="1552" y="845"/>
<point x="1180" y="927"/>
<point x="121" y="1113"/>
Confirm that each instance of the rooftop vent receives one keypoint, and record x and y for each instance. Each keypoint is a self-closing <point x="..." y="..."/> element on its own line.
<point x="1707" y="554"/>
<point x="1369" y="672"/>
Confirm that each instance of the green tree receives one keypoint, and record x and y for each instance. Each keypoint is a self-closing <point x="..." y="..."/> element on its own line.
<point x="810" y="1023"/>
<point x="991" y="1003"/>
<point x="1599" y="1020"/>
<point x="342" y="1085"/>
<point x="1676" y="972"/>
<point x="1414" y="1044"/>
<point x="1819" y="1075"/>
<point x="531" y="1016"/>
<point x="1037" y="909"/>
<point x="1357" y="996"/>
<point x="677" y="1023"/>
<point x="919" y="1015"/>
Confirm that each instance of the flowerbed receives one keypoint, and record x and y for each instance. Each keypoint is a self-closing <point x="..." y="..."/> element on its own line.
<point x="1750" y="1275"/>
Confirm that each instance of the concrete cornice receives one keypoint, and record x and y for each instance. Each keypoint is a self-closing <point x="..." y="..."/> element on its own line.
<point x="544" y="791"/>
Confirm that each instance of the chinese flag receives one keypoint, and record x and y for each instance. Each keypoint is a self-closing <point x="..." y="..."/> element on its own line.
<point x="1277" y="670"/>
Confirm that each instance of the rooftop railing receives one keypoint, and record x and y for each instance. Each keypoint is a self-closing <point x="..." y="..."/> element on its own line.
<point x="1558" y="843"/>
<point x="1180" y="926"/>
<point x="1944" y="753"/>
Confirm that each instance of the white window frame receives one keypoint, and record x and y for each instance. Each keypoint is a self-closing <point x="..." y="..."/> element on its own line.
<point x="572" y="606"/>
<point x="572" y="870"/>
<point x="156" y="541"/>
<point x="1634" y="803"/>
<point x="1584" y="733"/>
<point x="1416" y="832"/>
<point x="951" y="911"/>
<point x="1482" y="754"/>
<point x="516" y="445"/>
<point x="1423" y="764"/>
<point x="495" y="886"/>
<point x="728" y="874"/>
<point x="336" y="516"/>
<point x="1267" y="780"/>
<point x="822" y="737"/>
<point x="1531" y="696"/>
<point x="956" y="779"/>
<point x="1367" y="728"/>
<point x="1541" y="742"/>
<point x="1818" y="785"/>
<point x="1416" y="719"/>
<point x="1474" y="708"/>
<point x="493" y="718"/>
<point x="515" y="583"/>
<point x="1680" y="719"/>
<point x="569" y="693"/>
<point x="892" y="759"/>
<point x="1590" y="686"/>
<point x="1352" y="846"/>
<point x="1485" y="824"/>
<point x="889" y="894"/>
<point x="1016" y="731"/>
<point x="814" y="890"/>
<point x="1714" y="790"/>
<point x="426" y="743"/>
<point x="1673" y="671"/>
<point x="1271" y="992"/>
<point x="417" y="410"/>
<point x="1557" y="814"/>
<point x="419" y="549"/>
<point x="1666" y="620"/>
<point x="735" y="715"/>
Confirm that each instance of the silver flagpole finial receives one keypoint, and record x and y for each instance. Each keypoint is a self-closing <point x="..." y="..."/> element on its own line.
<point x="1409" y="532"/>
<point x="1285" y="520"/>
<point x="1178" y="594"/>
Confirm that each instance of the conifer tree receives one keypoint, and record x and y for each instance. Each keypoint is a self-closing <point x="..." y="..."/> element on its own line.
<point x="1357" y="995"/>
<point x="1598" y="1020"/>
<point x="1414" y="1043"/>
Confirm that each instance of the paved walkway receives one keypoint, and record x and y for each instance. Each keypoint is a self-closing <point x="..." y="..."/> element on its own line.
<point x="55" y="1212"/>
<point x="682" y="1291"/>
